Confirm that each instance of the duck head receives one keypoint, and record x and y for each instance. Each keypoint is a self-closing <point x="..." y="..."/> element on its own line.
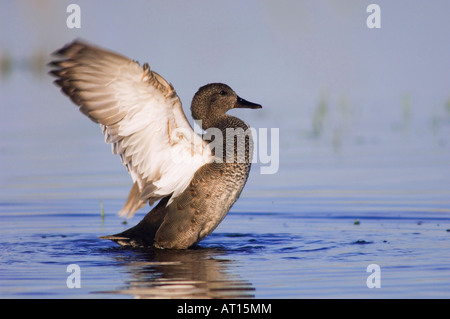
<point x="212" y="101"/>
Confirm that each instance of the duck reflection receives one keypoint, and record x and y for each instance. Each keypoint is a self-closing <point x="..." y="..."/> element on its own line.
<point x="192" y="273"/>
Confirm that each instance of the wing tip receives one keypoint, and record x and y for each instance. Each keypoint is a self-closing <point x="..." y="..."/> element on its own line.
<point x="72" y="47"/>
<point x="134" y="202"/>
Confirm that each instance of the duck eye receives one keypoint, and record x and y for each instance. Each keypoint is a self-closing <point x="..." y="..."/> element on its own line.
<point x="223" y="92"/>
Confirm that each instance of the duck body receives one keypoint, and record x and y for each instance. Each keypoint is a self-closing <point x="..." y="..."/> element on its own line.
<point x="196" y="212"/>
<point x="141" y="116"/>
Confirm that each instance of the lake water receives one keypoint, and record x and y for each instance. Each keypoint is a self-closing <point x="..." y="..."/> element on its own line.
<point x="353" y="189"/>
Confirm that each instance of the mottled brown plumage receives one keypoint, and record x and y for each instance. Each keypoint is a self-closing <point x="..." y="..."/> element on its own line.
<point x="213" y="190"/>
<point x="141" y="116"/>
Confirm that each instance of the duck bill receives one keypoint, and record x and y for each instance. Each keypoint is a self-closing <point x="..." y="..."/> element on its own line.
<point x="241" y="103"/>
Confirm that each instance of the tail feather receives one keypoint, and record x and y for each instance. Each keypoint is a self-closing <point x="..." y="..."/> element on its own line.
<point x="143" y="234"/>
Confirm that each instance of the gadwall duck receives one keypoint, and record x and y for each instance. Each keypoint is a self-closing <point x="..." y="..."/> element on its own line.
<point x="141" y="116"/>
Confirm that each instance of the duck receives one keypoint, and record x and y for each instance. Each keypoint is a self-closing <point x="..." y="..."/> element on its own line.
<point x="193" y="177"/>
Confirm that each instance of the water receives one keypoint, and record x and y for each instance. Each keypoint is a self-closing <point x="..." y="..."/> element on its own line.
<point x="311" y="230"/>
<point x="262" y="255"/>
<point x="364" y="162"/>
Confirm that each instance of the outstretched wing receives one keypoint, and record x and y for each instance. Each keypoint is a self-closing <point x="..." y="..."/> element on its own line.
<point x="140" y="115"/>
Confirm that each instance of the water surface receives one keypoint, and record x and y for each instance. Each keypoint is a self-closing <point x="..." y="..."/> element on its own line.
<point x="310" y="230"/>
<point x="364" y="152"/>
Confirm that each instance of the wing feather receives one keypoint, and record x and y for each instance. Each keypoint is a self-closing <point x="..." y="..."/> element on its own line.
<point x="140" y="115"/>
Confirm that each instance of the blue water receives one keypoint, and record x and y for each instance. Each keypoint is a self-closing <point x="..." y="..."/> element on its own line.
<point x="262" y="255"/>
<point x="310" y="230"/>
<point x="364" y="152"/>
